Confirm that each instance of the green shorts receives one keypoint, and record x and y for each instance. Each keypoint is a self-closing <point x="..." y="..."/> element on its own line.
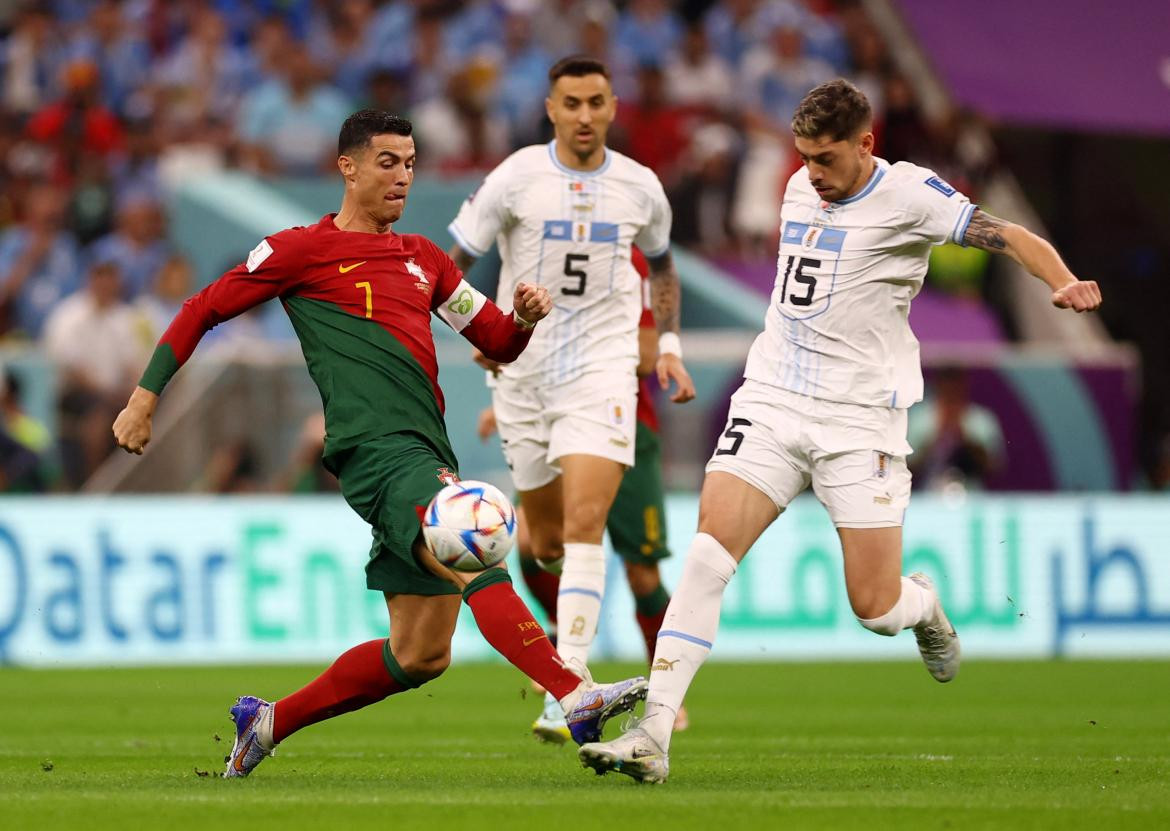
<point x="636" y="523"/>
<point x="390" y="481"/>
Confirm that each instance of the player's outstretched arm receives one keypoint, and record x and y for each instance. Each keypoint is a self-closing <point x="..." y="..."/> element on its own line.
<point x="665" y="303"/>
<point x="249" y="284"/>
<point x="132" y="426"/>
<point x="1036" y="255"/>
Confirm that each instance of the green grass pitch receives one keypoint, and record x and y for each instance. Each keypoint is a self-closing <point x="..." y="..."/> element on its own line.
<point x="793" y="746"/>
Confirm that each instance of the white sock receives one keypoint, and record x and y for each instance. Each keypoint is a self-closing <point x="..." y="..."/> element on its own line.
<point x="264" y="729"/>
<point x="913" y="607"/>
<point x="687" y="633"/>
<point x="579" y="599"/>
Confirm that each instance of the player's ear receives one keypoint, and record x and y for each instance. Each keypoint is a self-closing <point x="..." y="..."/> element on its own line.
<point x="866" y="142"/>
<point x="346" y="165"/>
<point x="548" y="109"/>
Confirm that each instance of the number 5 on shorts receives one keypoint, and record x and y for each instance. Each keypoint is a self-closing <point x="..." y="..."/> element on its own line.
<point x="735" y="435"/>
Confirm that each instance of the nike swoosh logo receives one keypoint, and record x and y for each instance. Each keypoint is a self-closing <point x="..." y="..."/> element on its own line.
<point x="595" y="704"/>
<point x="238" y="762"/>
<point x="531" y="641"/>
<point x="346" y="269"/>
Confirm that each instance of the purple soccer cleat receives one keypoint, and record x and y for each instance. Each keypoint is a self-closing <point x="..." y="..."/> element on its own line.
<point x="248" y="751"/>
<point x="601" y="702"/>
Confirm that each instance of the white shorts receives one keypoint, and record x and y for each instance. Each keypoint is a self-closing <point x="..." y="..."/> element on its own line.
<point x="854" y="456"/>
<point x="594" y="415"/>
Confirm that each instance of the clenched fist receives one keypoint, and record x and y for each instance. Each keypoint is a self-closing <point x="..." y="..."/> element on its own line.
<point x="530" y="303"/>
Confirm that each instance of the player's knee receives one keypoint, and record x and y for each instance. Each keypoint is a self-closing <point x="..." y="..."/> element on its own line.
<point x="425" y="666"/>
<point x="872" y="611"/>
<point x="548" y="550"/>
<point x="586" y="521"/>
<point x="643" y="579"/>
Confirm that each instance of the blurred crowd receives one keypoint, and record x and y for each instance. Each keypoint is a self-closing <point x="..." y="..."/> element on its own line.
<point x="105" y="105"/>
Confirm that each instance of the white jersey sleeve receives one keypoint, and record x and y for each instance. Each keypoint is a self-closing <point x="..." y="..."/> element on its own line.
<point x="485" y="213"/>
<point x="942" y="213"/>
<point x="654" y="238"/>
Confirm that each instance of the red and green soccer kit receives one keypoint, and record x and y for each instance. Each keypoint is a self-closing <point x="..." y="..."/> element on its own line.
<point x="361" y="305"/>
<point x="636" y="519"/>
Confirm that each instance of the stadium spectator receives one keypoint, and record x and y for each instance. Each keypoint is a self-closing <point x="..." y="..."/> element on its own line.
<point x="703" y="196"/>
<point x="523" y="80"/>
<point x="775" y="76"/>
<point x="954" y="440"/>
<point x="121" y="55"/>
<point x="458" y="132"/>
<point x="77" y="130"/>
<point x="138" y="245"/>
<point x="90" y="336"/>
<point x="32" y="60"/>
<point x="647" y="31"/>
<point x="26" y="464"/>
<point x="288" y="126"/>
<point x="388" y="90"/>
<point x="650" y="129"/>
<point x="206" y="75"/>
<point x="697" y="77"/>
<point x="305" y="473"/>
<point x="39" y="263"/>
<point x="157" y="307"/>
<point x="734" y="27"/>
<point x="341" y="37"/>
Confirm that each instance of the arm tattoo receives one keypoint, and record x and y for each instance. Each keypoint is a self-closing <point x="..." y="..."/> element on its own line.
<point x="664" y="293"/>
<point x="462" y="259"/>
<point x="986" y="231"/>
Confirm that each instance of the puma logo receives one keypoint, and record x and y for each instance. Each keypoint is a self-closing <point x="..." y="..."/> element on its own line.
<point x="663" y="665"/>
<point x="346" y="269"/>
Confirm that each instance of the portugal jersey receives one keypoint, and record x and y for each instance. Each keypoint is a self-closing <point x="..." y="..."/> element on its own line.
<point x="570" y="231"/>
<point x="837" y="327"/>
<point x="361" y="306"/>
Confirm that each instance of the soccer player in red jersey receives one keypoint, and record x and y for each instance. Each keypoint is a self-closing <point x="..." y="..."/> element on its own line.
<point x="360" y="298"/>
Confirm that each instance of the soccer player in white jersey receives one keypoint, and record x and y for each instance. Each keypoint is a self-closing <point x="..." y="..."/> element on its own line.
<point x="565" y="216"/>
<point x="824" y="400"/>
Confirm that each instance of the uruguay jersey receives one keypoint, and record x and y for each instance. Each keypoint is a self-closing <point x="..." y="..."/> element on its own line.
<point x="838" y="325"/>
<point x="571" y="231"/>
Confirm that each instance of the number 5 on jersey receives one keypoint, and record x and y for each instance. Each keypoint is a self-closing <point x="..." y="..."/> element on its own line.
<point x="571" y="270"/>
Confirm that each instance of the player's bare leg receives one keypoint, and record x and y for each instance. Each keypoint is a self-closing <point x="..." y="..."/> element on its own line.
<point x="645" y="581"/>
<point x="732" y="515"/>
<point x="418" y="650"/>
<point x="886" y="602"/>
<point x="508" y="625"/>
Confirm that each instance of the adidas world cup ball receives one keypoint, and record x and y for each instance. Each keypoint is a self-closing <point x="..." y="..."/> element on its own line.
<point x="469" y="525"/>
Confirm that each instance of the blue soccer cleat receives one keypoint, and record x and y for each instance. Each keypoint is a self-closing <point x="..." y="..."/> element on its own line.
<point x="601" y="702"/>
<point x="249" y="713"/>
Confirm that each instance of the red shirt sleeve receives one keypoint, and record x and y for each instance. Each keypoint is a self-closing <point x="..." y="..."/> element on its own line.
<point x="270" y="271"/>
<point x="490" y="330"/>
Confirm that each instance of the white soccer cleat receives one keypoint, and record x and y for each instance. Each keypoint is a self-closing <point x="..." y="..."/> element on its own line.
<point x="633" y="753"/>
<point x="551" y="726"/>
<point x="937" y="640"/>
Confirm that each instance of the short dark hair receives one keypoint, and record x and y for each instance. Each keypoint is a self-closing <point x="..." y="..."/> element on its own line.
<point x="577" y="66"/>
<point x="836" y="109"/>
<point x="363" y="125"/>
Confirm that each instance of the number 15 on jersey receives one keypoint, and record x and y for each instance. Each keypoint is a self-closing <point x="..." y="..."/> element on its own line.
<point x="808" y="263"/>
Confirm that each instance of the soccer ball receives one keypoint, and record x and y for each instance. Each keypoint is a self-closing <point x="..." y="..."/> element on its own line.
<point x="470" y="525"/>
